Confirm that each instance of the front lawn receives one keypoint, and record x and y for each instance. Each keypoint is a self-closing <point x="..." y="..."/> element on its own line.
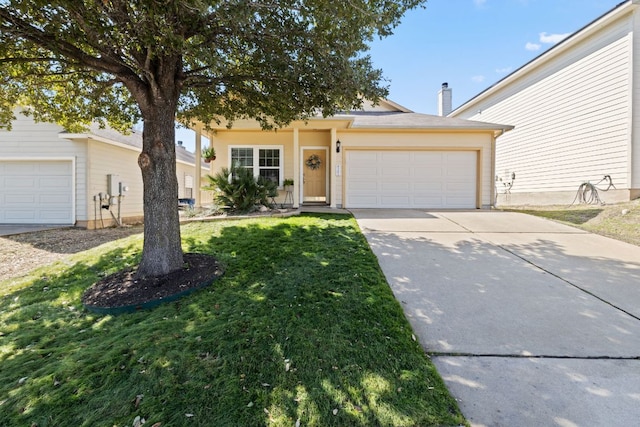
<point x="301" y="330"/>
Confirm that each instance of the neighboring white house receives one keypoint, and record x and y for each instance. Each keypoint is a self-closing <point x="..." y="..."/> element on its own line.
<point x="576" y="112"/>
<point x="48" y="176"/>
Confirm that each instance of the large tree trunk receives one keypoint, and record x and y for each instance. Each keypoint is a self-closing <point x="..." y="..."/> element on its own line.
<point x="162" y="251"/>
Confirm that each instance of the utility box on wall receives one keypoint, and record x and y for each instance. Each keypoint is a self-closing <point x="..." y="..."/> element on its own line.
<point x="113" y="182"/>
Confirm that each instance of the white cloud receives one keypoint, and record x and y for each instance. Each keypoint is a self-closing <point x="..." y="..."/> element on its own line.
<point x="478" y="79"/>
<point x="552" y="38"/>
<point x="504" y="70"/>
<point x="479" y="3"/>
<point x="532" y="46"/>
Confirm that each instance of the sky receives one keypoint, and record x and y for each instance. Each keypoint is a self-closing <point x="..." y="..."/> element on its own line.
<point x="470" y="44"/>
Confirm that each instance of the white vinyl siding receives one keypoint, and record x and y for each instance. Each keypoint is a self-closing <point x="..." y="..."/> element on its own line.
<point x="571" y="115"/>
<point x="411" y="179"/>
<point x="29" y="140"/>
<point x="107" y="160"/>
<point x="634" y="147"/>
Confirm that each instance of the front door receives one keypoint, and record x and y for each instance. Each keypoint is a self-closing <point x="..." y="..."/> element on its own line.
<point x="314" y="175"/>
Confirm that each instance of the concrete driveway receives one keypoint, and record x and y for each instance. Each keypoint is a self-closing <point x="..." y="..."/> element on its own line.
<point x="529" y="322"/>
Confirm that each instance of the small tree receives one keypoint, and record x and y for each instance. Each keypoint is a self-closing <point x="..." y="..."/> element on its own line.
<point x="118" y="61"/>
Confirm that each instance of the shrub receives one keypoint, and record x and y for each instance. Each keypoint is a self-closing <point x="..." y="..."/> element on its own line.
<point x="237" y="189"/>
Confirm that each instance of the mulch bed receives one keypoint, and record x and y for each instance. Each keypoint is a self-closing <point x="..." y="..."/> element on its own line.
<point x="125" y="289"/>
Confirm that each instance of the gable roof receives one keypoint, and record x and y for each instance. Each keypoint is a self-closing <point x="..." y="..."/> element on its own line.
<point x="554" y="51"/>
<point x="401" y="120"/>
<point x="131" y="141"/>
<point x="384" y="105"/>
<point x="385" y="115"/>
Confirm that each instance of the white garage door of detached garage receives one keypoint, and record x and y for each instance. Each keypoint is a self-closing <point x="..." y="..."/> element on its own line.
<point x="36" y="192"/>
<point x="411" y="179"/>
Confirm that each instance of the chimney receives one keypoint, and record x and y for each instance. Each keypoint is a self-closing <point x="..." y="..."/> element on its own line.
<point x="444" y="100"/>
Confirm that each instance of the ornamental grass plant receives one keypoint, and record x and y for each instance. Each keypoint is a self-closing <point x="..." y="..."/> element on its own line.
<point x="239" y="191"/>
<point x="301" y="330"/>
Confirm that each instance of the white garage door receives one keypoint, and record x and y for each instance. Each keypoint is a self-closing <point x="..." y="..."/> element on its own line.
<point x="36" y="192"/>
<point x="411" y="179"/>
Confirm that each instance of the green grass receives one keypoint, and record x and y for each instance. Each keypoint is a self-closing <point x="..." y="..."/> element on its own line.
<point x="302" y="326"/>
<point x="574" y="217"/>
<point x="619" y="221"/>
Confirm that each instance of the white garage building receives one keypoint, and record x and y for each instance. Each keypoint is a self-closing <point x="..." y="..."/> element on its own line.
<point x="48" y="176"/>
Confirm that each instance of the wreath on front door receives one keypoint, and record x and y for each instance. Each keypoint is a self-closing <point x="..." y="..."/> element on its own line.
<point x="313" y="162"/>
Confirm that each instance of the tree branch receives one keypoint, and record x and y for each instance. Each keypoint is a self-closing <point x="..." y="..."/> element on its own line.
<point x="23" y="29"/>
<point x="34" y="59"/>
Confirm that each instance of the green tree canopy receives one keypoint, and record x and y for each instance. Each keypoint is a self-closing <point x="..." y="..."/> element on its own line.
<point x="116" y="62"/>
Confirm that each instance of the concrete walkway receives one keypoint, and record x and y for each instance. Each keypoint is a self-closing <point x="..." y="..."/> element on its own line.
<point x="13" y="229"/>
<point x="529" y="322"/>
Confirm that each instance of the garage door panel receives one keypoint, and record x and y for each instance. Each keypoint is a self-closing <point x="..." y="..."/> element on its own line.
<point x="364" y="172"/>
<point x="19" y="168"/>
<point x="395" y="201"/>
<point x="53" y="216"/>
<point x="54" y="199"/>
<point x="21" y="183"/>
<point x="394" y="157"/>
<point x="459" y="187"/>
<point x="36" y="192"/>
<point x="395" y="186"/>
<point x="20" y="199"/>
<point x="430" y="188"/>
<point x="456" y="204"/>
<point x="54" y="182"/>
<point x="410" y="179"/>
<point x="364" y="186"/>
<point x="402" y="172"/>
<point x="20" y="216"/>
<point x="460" y="176"/>
<point x="365" y="159"/>
<point x="431" y="201"/>
<point x="427" y="175"/>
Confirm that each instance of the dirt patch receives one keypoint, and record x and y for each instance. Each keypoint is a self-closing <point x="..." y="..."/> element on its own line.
<point x="124" y="288"/>
<point x="22" y="253"/>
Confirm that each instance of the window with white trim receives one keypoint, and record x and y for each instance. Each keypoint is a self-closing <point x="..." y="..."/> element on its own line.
<point x="264" y="161"/>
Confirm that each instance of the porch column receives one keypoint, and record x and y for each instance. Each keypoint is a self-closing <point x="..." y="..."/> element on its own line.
<point x="196" y="180"/>
<point x="296" y="168"/>
<point x="333" y="169"/>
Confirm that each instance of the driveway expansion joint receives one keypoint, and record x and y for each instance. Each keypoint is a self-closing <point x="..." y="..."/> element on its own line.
<point x="530" y="356"/>
<point x="568" y="282"/>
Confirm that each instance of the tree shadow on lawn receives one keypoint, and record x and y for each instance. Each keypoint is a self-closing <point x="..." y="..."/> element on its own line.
<point x="302" y="325"/>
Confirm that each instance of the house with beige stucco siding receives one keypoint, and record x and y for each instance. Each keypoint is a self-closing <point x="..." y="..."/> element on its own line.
<point x="384" y="156"/>
<point x="92" y="179"/>
<point x="576" y="112"/>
